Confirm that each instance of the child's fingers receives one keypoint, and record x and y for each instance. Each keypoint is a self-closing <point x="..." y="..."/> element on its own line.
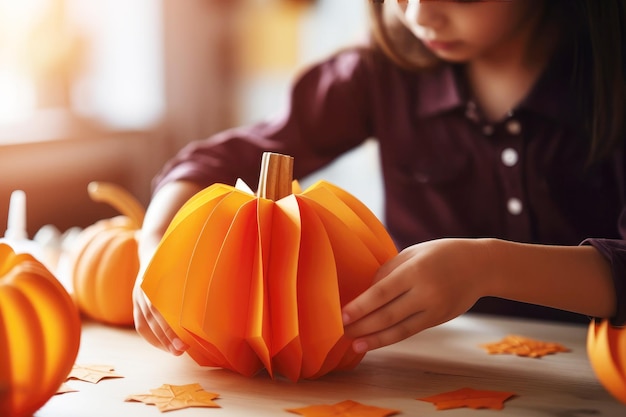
<point x="386" y="316"/>
<point x="152" y="326"/>
<point x="411" y="325"/>
<point x="166" y="335"/>
<point x="391" y="265"/>
<point x="369" y="301"/>
<point x="387" y="286"/>
<point x="143" y="327"/>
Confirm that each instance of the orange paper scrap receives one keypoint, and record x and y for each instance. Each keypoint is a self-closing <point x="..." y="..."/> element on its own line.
<point x="346" y="408"/>
<point x="93" y="373"/>
<point x="250" y="283"/>
<point x="524" y="346"/>
<point x="469" y="397"/>
<point x="175" y="397"/>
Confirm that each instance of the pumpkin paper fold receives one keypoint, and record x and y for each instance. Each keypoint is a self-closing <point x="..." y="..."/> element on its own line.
<point x="250" y="283"/>
<point x="606" y="349"/>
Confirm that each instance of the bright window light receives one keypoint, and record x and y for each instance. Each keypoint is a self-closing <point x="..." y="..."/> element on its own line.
<point x="92" y="58"/>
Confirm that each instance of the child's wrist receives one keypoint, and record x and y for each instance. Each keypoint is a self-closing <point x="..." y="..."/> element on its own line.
<point x="489" y="258"/>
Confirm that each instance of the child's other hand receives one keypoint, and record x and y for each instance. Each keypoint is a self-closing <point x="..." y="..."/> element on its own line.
<point x="424" y="285"/>
<point x="151" y="325"/>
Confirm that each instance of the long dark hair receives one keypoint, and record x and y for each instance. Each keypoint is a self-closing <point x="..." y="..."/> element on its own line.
<point x="596" y="31"/>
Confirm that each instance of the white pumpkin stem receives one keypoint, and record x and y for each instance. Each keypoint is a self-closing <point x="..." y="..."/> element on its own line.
<point x="276" y="176"/>
<point x="118" y="198"/>
<point x="16" y="222"/>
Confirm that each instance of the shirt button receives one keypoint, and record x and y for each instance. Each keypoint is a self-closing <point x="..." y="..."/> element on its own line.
<point x="514" y="205"/>
<point x="513" y="127"/>
<point x="509" y="157"/>
<point x="471" y="114"/>
<point x="488" y="130"/>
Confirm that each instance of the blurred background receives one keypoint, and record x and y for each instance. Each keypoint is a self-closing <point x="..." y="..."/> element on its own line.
<point x="108" y="90"/>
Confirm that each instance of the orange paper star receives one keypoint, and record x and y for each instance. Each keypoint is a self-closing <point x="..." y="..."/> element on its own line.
<point x="524" y="346"/>
<point x="93" y="373"/>
<point x="346" y="408"/>
<point x="174" y="397"/>
<point x="471" y="398"/>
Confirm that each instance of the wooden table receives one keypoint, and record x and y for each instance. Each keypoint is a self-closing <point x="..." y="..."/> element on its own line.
<point x="441" y="359"/>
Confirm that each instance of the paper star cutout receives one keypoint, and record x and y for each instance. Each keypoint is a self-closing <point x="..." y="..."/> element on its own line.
<point x="174" y="397"/>
<point x="64" y="389"/>
<point x="471" y="398"/>
<point x="524" y="346"/>
<point x="346" y="408"/>
<point x="93" y="373"/>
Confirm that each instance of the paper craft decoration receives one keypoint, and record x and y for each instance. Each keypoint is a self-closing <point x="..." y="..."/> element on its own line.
<point x="469" y="397"/>
<point x="258" y="281"/>
<point x="346" y="408"/>
<point x="93" y="373"/>
<point x="105" y="260"/>
<point x="524" y="346"/>
<point x="64" y="389"/>
<point x="175" y="397"/>
<point x="39" y="333"/>
<point x="606" y="349"/>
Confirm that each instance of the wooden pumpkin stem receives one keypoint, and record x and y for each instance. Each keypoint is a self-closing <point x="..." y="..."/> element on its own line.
<point x="276" y="176"/>
<point x="118" y="198"/>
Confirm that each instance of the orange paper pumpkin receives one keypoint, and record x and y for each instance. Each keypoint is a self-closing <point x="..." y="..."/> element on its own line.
<point x="105" y="259"/>
<point x="39" y="334"/>
<point x="252" y="282"/>
<point x="606" y="348"/>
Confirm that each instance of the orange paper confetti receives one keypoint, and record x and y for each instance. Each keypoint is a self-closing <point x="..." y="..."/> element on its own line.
<point x="469" y="397"/>
<point x="524" y="346"/>
<point x="93" y="373"/>
<point x="64" y="389"/>
<point x="346" y="408"/>
<point x="175" y="397"/>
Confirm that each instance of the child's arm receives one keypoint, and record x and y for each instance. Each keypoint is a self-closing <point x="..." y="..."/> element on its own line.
<point x="432" y="282"/>
<point x="164" y="205"/>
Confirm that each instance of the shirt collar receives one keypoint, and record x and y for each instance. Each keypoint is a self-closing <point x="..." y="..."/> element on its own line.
<point x="554" y="95"/>
<point x="439" y="91"/>
<point x="444" y="88"/>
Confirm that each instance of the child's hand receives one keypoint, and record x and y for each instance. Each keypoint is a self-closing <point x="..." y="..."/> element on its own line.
<point x="152" y="326"/>
<point x="425" y="285"/>
<point x="164" y="205"/>
<point x="149" y="323"/>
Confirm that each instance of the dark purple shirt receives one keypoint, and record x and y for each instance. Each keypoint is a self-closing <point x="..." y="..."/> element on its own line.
<point x="447" y="172"/>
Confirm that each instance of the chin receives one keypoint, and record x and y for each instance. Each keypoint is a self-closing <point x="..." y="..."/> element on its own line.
<point x="453" y="58"/>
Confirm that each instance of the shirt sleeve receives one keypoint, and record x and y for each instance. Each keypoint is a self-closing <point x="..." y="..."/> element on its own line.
<point x="327" y="115"/>
<point x="614" y="250"/>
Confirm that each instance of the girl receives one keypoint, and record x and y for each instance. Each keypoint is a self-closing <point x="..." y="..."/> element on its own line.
<point x="500" y="126"/>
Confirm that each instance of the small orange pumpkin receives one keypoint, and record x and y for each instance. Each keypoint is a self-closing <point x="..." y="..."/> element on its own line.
<point x="606" y="349"/>
<point x="105" y="258"/>
<point x="39" y="334"/>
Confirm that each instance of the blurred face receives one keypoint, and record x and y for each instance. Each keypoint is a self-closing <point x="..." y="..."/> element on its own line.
<point x="463" y="31"/>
